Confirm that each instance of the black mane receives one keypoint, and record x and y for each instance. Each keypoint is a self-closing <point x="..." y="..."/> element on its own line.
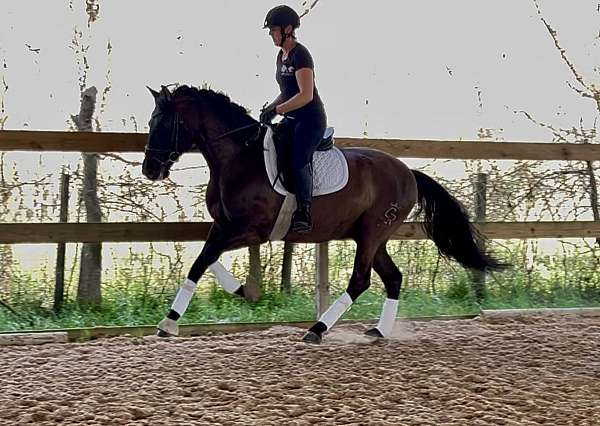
<point x="219" y="102"/>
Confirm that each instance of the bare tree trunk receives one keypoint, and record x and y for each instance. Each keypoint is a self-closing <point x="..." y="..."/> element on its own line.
<point x="286" y="268"/>
<point x="90" y="273"/>
<point x="253" y="285"/>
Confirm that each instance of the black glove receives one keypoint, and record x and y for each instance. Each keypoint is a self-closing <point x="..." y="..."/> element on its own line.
<point x="267" y="115"/>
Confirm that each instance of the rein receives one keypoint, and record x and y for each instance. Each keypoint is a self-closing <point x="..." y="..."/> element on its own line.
<point x="239" y="129"/>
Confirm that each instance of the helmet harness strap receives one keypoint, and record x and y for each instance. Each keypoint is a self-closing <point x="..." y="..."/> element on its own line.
<point x="285" y="36"/>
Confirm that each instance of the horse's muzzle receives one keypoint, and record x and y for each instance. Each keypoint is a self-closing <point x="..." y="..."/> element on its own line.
<point x="155" y="172"/>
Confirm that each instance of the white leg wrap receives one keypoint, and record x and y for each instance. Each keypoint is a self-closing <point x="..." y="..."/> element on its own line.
<point x="184" y="295"/>
<point x="388" y="317"/>
<point x="335" y="311"/>
<point x="229" y="283"/>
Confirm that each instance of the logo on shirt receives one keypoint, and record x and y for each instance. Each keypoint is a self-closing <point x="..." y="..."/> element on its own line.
<point x="285" y="70"/>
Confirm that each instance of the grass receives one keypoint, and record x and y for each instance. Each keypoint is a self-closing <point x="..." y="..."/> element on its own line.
<point x="567" y="281"/>
<point x="217" y="306"/>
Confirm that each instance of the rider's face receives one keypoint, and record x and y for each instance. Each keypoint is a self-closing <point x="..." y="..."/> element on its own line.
<point x="275" y="33"/>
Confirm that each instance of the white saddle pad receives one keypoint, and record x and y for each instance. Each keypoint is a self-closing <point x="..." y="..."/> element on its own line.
<point x="330" y="168"/>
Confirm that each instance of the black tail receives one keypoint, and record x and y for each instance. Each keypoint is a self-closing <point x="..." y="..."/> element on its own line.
<point x="447" y="224"/>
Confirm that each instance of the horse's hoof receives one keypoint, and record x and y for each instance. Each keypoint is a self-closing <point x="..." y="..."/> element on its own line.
<point x="240" y="292"/>
<point x="162" y="333"/>
<point x="312" y="338"/>
<point x="167" y="328"/>
<point x="374" y="333"/>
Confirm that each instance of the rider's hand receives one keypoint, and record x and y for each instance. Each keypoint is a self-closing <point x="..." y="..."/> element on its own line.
<point x="267" y="115"/>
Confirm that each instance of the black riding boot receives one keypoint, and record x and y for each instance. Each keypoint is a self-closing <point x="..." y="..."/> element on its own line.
<point x="301" y="219"/>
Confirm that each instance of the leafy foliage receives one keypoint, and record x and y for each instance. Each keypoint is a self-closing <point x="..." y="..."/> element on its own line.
<point x="142" y="289"/>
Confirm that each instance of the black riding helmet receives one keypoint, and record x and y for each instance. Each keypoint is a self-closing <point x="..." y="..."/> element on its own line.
<point x="282" y="16"/>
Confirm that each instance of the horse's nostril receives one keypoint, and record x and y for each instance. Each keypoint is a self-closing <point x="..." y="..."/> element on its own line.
<point x="147" y="171"/>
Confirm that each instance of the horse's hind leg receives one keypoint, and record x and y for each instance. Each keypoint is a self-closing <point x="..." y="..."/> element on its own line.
<point x="359" y="282"/>
<point x="392" y="279"/>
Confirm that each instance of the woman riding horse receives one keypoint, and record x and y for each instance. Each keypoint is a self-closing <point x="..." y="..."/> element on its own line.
<point x="380" y="193"/>
<point x="299" y="103"/>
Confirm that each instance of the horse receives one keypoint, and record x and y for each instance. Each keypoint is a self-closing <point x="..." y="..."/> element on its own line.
<point x="380" y="193"/>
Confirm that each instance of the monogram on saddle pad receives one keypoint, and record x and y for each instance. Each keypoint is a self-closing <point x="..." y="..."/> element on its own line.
<point x="330" y="174"/>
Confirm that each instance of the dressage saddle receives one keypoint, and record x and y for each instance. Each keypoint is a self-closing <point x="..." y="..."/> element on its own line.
<point x="282" y="137"/>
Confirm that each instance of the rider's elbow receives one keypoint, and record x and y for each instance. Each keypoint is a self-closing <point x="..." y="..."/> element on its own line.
<point x="308" y="97"/>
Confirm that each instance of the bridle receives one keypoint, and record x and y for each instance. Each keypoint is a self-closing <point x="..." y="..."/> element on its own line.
<point x="174" y="152"/>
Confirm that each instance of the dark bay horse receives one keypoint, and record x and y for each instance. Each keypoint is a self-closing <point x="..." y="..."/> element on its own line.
<point x="380" y="193"/>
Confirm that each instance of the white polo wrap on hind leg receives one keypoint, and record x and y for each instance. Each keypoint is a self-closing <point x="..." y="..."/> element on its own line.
<point x="388" y="317"/>
<point x="184" y="295"/>
<point x="229" y="283"/>
<point x="335" y="311"/>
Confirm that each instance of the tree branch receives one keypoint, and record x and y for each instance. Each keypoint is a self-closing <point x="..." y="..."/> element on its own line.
<point x="553" y="33"/>
<point x="119" y="158"/>
<point x="309" y="8"/>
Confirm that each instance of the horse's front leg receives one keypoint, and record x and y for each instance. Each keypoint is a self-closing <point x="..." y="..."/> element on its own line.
<point x="219" y="241"/>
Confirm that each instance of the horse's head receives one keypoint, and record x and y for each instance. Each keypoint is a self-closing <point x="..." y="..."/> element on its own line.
<point x="190" y="117"/>
<point x="171" y="133"/>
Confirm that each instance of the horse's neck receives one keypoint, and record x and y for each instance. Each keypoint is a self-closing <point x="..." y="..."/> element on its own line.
<point x="226" y="158"/>
<point x="218" y="156"/>
<point x="229" y="170"/>
<point x="228" y="161"/>
<point x="219" y="152"/>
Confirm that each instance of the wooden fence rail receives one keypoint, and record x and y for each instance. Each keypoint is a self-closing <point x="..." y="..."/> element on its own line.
<point x="33" y="233"/>
<point x="28" y="140"/>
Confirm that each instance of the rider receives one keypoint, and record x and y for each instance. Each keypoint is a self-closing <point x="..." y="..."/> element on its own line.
<point x="299" y="103"/>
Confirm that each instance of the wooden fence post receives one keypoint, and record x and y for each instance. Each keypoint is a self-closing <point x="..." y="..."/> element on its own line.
<point x="286" y="268"/>
<point x="254" y="279"/>
<point x="322" y="278"/>
<point x="480" y="215"/>
<point x="59" y="285"/>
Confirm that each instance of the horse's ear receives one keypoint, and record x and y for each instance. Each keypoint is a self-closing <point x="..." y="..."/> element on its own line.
<point x="154" y="92"/>
<point x="164" y="91"/>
